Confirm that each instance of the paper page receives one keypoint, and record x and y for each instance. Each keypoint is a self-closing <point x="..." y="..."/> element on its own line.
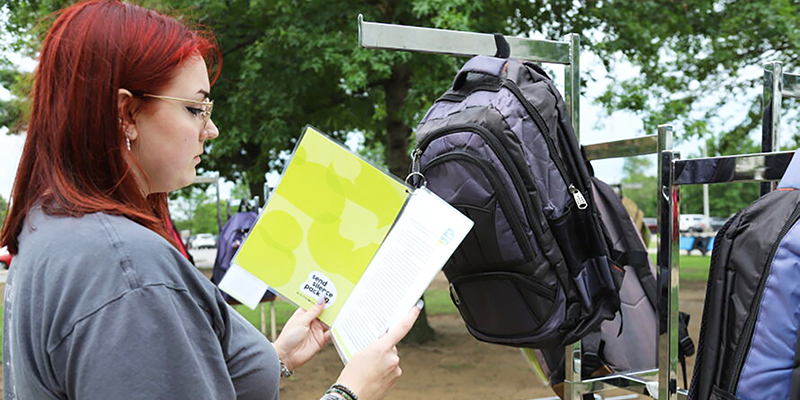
<point x="323" y="224"/>
<point x="426" y="234"/>
<point x="243" y="286"/>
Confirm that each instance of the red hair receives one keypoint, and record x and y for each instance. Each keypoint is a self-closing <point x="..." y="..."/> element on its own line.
<point x="74" y="161"/>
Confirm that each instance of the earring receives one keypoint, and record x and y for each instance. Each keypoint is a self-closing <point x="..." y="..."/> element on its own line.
<point x="127" y="130"/>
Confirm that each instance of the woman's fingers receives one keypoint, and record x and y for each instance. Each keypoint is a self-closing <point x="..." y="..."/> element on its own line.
<point x="399" y="331"/>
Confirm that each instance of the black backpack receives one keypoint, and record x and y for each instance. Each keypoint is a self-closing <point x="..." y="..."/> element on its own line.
<point x="499" y="146"/>
<point x="749" y="347"/>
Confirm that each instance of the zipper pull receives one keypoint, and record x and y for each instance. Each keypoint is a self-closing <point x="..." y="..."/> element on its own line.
<point x="454" y="296"/>
<point x="415" y="160"/>
<point x="578" y="196"/>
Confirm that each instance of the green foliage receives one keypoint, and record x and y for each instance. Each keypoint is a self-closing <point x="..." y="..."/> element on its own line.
<point x="639" y="185"/>
<point x="3" y="209"/>
<point x="195" y="210"/>
<point x="14" y="112"/>
<point x="290" y="63"/>
<point x="690" y="51"/>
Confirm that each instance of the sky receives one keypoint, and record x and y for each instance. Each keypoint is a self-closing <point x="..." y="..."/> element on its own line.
<point x="595" y="125"/>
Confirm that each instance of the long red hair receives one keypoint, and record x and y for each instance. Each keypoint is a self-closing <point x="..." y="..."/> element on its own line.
<point x="74" y="161"/>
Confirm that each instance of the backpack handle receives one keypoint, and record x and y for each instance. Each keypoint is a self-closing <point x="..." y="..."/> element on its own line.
<point x="479" y="64"/>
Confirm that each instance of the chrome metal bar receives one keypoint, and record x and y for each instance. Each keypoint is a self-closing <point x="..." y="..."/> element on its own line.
<point x="622" y="148"/>
<point x="635" y="386"/>
<point x="572" y="372"/>
<point x="668" y="268"/>
<point x="375" y="35"/>
<point x="629" y="382"/>
<point x="572" y="88"/>
<point x="759" y="167"/>
<point x="572" y="82"/>
<point x="791" y="85"/>
<point x="771" y="112"/>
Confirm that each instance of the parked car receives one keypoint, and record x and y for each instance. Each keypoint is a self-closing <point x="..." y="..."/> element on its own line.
<point x="694" y="223"/>
<point x="189" y="241"/>
<point x="716" y="223"/>
<point x="204" y="241"/>
<point x="652" y="225"/>
<point x="5" y="258"/>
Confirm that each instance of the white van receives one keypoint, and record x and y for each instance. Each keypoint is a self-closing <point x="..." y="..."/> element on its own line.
<point x="694" y="223"/>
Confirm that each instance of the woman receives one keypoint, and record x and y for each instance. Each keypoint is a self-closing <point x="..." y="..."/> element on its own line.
<point x="100" y="303"/>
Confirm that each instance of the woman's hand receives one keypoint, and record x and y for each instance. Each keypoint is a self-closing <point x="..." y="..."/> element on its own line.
<point x="376" y="368"/>
<point x="302" y="337"/>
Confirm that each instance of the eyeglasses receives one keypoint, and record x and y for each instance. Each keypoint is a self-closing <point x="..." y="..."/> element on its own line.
<point x="204" y="111"/>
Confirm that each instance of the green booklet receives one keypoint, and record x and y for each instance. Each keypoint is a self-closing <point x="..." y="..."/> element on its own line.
<point x="340" y="229"/>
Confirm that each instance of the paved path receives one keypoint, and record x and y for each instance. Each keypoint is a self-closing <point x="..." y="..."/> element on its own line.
<point x="204" y="258"/>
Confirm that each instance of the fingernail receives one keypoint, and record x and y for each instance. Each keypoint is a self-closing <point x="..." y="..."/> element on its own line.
<point x="320" y="299"/>
<point x="420" y="304"/>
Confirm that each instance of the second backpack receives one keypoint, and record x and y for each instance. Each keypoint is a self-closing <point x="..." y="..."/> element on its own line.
<point x="749" y="347"/>
<point x="499" y="146"/>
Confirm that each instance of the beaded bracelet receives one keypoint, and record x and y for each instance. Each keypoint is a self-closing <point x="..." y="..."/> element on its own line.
<point x="349" y="393"/>
<point x="285" y="371"/>
<point x="339" y="392"/>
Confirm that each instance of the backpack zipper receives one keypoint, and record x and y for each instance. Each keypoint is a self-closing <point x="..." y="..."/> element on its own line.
<point x="498" y="149"/>
<point x="747" y="333"/>
<point x="502" y="196"/>
<point x="578" y="196"/>
<point x="580" y="200"/>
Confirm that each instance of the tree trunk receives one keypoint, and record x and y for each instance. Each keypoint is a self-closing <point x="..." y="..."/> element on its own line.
<point x="256" y="186"/>
<point x="398" y="135"/>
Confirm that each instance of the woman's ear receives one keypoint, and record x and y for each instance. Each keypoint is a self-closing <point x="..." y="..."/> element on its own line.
<point x="125" y="105"/>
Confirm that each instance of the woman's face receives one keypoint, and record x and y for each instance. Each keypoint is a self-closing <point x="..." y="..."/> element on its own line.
<point x="168" y="136"/>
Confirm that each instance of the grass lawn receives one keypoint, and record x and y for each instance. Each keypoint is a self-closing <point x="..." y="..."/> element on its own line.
<point x="693" y="268"/>
<point x="436" y="302"/>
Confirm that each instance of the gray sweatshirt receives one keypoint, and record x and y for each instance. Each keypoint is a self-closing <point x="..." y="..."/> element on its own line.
<point x="100" y="307"/>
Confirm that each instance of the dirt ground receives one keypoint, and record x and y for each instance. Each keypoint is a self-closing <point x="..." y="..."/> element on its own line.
<point x="456" y="366"/>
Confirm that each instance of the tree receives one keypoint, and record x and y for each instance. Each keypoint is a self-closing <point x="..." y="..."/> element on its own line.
<point x="193" y="209"/>
<point x="640" y="186"/>
<point x="3" y="210"/>
<point x="691" y="60"/>
<point x="291" y="63"/>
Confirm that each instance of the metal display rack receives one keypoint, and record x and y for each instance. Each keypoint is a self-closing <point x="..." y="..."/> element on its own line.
<point x="775" y="89"/>
<point x="672" y="171"/>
